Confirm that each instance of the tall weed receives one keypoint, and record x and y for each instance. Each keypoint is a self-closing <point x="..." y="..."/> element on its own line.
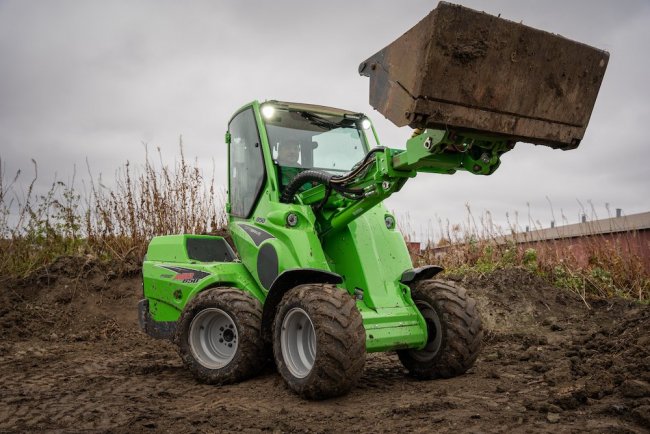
<point x="107" y="223"/>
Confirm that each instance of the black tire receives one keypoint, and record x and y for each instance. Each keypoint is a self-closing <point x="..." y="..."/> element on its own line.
<point x="245" y="313"/>
<point x="454" y="328"/>
<point x="339" y="352"/>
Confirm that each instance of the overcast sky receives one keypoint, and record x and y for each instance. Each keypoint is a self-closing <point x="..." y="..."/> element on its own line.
<point x="96" y="79"/>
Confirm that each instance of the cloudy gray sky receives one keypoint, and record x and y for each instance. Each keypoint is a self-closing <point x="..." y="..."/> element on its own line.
<point x="96" y="79"/>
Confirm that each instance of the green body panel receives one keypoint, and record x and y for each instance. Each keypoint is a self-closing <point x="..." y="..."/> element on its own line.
<point x="333" y="233"/>
<point x="168" y="289"/>
<point x="297" y="247"/>
<point x="371" y="258"/>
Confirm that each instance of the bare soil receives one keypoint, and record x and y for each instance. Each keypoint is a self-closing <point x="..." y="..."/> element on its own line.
<point x="72" y="359"/>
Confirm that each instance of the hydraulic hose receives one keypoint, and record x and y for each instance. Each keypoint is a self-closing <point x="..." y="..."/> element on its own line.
<point x="359" y="167"/>
<point x="301" y="179"/>
<point x="338" y="183"/>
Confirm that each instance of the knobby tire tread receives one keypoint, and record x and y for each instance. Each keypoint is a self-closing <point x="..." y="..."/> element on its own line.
<point x="246" y="312"/>
<point x="462" y="331"/>
<point x="340" y="337"/>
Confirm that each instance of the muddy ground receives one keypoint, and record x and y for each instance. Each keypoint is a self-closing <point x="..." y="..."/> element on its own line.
<point x="73" y="359"/>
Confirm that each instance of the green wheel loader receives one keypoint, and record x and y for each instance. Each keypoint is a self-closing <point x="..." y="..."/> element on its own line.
<point x="321" y="276"/>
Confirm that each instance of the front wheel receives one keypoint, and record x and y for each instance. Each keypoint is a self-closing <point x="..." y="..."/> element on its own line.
<point x="453" y="327"/>
<point x="219" y="336"/>
<point x="319" y="342"/>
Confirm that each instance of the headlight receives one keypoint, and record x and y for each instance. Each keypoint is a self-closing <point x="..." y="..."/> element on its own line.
<point x="268" y="111"/>
<point x="365" y="123"/>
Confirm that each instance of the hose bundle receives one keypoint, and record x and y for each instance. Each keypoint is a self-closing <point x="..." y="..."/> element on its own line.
<point x="331" y="182"/>
<point x="301" y="179"/>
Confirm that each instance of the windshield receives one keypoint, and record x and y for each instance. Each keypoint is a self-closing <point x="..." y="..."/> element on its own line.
<point x="310" y="140"/>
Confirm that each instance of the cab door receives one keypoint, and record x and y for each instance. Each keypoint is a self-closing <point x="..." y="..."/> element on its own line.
<point x="246" y="161"/>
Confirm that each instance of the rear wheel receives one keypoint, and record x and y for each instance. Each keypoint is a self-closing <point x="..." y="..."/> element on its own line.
<point x="219" y="336"/>
<point x="319" y="343"/>
<point x="453" y="327"/>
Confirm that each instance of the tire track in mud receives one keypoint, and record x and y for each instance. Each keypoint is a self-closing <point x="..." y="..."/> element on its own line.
<point x="114" y="392"/>
<point x="560" y="368"/>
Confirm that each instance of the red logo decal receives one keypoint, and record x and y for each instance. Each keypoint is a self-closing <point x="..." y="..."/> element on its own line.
<point x="184" y="276"/>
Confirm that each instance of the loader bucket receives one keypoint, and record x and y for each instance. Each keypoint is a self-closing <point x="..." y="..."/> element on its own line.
<point x="462" y="69"/>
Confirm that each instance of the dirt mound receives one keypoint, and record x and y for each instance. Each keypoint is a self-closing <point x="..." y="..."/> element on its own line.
<point x="74" y="299"/>
<point x="515" y="300"/>
<point x="72" y="359"/>
<point x="67" y="268"/>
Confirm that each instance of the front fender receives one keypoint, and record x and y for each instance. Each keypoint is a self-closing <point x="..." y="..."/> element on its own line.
<point x="284" y="282"/>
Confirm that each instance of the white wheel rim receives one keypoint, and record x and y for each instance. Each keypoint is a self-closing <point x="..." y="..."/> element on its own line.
<point x="298" y="342"/>
<point x="213" y="338"/>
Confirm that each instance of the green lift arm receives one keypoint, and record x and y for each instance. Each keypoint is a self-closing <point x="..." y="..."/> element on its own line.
<point x="431" y="151"/>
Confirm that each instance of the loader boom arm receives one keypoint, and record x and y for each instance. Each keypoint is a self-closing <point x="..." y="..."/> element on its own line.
<point x="431" y="151"/>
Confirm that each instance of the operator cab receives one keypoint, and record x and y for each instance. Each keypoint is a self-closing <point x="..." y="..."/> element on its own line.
<point x="299" y="137"/>
<point x="303" y="136"/>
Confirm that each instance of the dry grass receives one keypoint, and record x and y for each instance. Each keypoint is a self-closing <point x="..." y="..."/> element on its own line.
<point x="107" y="223"/>
<point x="115" y="223"/>
<point x="604" y="265"/>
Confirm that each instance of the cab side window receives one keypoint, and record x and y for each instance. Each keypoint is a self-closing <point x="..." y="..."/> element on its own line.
<point x="246" y="164"/>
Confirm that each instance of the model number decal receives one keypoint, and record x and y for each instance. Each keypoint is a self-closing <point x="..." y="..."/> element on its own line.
<point x="185" y="275"/>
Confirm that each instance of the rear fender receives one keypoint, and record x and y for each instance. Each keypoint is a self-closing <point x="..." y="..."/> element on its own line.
<point x="170" y="286"/>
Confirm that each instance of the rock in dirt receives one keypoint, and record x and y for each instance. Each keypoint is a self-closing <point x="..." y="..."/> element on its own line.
<point x="634" y="389"/>
<point x="560" y="374"/>
<point x="642" y="415"/>
<point x="643" y="341"/>
<point x="553" y="418"/>
<point x="618" y="409"/>
<point x="571" y="398"/>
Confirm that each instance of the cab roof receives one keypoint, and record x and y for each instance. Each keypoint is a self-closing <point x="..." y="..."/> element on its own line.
<point x="312" y="108"/>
